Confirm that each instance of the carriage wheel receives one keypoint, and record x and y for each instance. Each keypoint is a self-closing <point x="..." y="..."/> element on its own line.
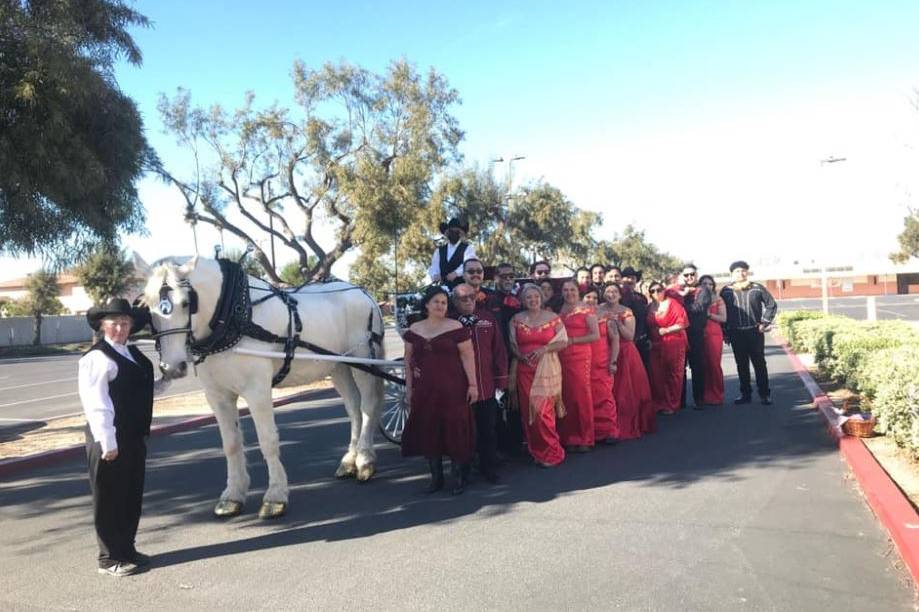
<point x="395" y="412"/>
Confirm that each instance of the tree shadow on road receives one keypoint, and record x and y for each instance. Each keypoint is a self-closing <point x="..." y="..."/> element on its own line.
<point x="186" y="473"/>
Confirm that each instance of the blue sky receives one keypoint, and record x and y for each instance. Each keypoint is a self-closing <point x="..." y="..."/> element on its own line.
<point x="701" y="122"/>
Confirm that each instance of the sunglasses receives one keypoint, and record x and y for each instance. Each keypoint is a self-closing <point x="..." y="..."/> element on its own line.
<point x="465" y="298"/>
<point x="475" y="271"/>
<point x="688" y="274"/>
<point x="656" y="290"/>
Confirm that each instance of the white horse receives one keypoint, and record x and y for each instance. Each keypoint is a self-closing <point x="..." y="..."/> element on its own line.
<point x="336" y="316"/>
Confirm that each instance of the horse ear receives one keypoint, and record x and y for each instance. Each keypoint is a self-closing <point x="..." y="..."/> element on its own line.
<point x="188" y="266"/>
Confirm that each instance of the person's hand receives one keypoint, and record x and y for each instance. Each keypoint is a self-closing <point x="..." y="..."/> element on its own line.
<point x="763" y="327"/>
<point x="451" y="277"/>
<point x="613" y="366"/>
<point x="110" y="455"/>
<point x="472" y="394"/>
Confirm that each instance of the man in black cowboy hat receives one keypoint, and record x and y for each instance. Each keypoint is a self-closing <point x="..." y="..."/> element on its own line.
<point x="447" y="262"/>
<point x="116" y="389"/>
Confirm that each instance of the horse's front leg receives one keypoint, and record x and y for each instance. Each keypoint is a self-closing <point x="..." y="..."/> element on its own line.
<point x="223" y="403"/>
<point x="343" y="380"/>
<point x="371" y="403"/>
<point x="274" y="503"/>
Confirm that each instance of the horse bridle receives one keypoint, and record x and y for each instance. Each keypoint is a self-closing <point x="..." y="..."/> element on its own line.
<point x="166" y="307"/>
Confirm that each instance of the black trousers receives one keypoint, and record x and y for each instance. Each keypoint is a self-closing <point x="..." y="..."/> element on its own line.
<point x="118" y="490"/>
<point x="509" y="430"/>
<point x="749" y="345"/>
<point x="486" y="440"/>
<point x="695" y="359"/>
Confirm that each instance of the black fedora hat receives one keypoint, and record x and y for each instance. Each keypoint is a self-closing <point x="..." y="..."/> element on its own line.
<point x="117" y="306"/>
<point x="630" y="271"/>
<point x="455" y="222"/>
<point x="739" y="264"/>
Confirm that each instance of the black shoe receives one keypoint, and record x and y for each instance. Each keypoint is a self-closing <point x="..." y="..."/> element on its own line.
<point x="119" y="569"/>
<point x="462" y="478"/>
<point x="742" y="399"/>
<point x="140" y="559"/>
<point x="437" y="475"/>
<point x="766" y="400"/>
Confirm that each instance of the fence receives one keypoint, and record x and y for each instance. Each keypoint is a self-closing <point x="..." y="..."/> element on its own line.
<point x="17" y="331"/>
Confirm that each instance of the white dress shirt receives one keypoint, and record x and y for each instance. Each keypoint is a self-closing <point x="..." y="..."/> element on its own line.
<point x="97" y="370"/>
<point x="434" y="270"/>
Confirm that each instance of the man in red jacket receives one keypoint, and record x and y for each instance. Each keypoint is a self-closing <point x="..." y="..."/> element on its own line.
<point x="490" y="369"/>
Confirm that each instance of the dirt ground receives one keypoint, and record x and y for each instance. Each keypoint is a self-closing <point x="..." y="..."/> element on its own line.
<point x="60" y="433"/>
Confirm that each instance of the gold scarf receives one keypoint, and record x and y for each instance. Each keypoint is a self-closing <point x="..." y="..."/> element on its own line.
<point x="547" y="382"/>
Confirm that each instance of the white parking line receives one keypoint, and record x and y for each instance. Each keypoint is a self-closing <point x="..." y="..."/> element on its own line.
<point x="35" y="384"/>
<point x="37" y="399"/>
<point x="11" y="420"/>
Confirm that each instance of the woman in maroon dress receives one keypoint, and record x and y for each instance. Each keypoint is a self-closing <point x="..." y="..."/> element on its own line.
<point x="713" y="342"/>
<point x="576" y="430"/>
<point x="536" y="336"/>
<point x="603" y="364"/>
<point x="667" y="323"/>
<point x="634" y="408"/>
<point x="440" y="386"/>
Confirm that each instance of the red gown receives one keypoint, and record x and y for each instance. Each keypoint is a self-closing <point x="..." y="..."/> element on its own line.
<point x="635" y="410"/>
<point x="577" y="428"/>
<point x="440" y="421"/>
<point x="541" y="435"/>
<point x="668" y="356"/>
<point x="601" y="386"/>
<point x="714" y="377"/>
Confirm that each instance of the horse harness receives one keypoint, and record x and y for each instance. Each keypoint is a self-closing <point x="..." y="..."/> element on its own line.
<point x="232" y="320"/>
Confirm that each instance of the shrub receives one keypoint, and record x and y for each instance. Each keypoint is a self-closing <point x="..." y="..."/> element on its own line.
<point x="816" y="335"/>
<point x="890" y="381"/>
<point x="851" y="347"/>
<point x="785" y="321"/>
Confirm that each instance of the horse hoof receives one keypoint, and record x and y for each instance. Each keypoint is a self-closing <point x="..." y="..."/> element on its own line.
<point x="346" y="471"/>
<point x="271" y="510"/>
<point x="226" y="508"/>
<point x="365" y="473"/>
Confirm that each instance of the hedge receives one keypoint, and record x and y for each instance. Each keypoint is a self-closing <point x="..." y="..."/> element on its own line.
<point x="878" y="359"/>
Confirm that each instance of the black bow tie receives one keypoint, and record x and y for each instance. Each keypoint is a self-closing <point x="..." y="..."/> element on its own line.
<point x="468" y="320"/>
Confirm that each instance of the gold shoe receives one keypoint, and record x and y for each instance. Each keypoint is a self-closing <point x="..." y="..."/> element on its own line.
<point x="270" y="510"/>
<point x="227" y="508"/>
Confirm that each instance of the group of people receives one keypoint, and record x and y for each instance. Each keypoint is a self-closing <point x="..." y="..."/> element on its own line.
<point x="585" y="360"/>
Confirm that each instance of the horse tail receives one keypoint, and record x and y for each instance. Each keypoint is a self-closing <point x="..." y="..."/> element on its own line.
<point x="376" y="331"/>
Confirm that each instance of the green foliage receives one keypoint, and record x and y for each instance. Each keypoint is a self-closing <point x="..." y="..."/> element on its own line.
<point x="41" y="299"/>
<point x="292" y="274"/>
<point x="106" y="273"/>
<point x="358" y="151"/>
<point x="785" y="322"/>
<point x="908" y="239"/>
<point x="631" y="248"/>
<point x="251" y="265"/>
<point x="879" y="359"/>
<point x="71" y="143"/>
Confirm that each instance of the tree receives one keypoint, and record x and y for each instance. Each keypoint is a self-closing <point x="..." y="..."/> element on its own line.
<point x="41" y="299"/>
<point x="631" y="248"/>
<point x="106" y="273"/>
<point x="908" y="239"/>
<point x="71" y="143"/>
<point x="358" y="152"/>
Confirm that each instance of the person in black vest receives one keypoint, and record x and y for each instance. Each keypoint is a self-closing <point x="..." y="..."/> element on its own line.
<point x="447" y="262"/>
<point x="116" y="389"/>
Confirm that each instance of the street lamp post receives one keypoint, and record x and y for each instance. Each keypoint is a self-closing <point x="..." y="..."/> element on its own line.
<point x="824" y="279"/>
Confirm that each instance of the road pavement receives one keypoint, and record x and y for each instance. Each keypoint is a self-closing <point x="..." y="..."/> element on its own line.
<point x="730" y="508"/>
<point x="889" y="307"/>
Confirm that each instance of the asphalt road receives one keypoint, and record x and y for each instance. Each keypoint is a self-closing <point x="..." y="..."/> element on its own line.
<point x="905" y="307"/>
<point x="39" y="388"/>
<point x="732" y="508"/>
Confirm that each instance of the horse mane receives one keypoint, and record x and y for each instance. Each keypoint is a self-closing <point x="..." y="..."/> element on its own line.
<point x="164" y="273"/>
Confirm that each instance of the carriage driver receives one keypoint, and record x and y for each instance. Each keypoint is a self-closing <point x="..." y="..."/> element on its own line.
<point x="116" y="389"/>
<point x="447" y="262"/>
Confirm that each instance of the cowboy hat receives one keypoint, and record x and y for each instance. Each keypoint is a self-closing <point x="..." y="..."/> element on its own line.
<point x="630" y="271"/>
<point x="116" y="307"/>
<point x="454" y="222"/>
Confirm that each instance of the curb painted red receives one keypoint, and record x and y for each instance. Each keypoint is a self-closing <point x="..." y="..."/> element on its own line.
<point x="886" y="500"/>
<point x="15" y="465"/>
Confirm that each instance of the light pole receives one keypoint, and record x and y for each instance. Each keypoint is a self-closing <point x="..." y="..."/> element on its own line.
<point x="510" y="169"/>
<point x="824" y="279"/>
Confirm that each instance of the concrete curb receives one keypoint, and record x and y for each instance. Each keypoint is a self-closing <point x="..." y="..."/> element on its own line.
<point x="9" y="467"/>
<point x="886" y="500"/>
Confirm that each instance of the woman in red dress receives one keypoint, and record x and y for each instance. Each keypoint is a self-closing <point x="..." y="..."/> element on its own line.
<point x="667" y="322"/>
<point x="440" y="386"/>
<point x="714" y="339"/>
<point x="576" y="430"/>
<point x="536" y="336"/>
<point x="634" y="408"/>
<point x="604" y="355"/>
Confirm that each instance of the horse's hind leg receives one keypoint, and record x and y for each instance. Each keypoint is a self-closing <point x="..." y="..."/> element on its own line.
<point x="223" y="403"/>
<point x="371" y="390"/>
<point x="343" y="380"/>
<point x="274" y="503"/>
